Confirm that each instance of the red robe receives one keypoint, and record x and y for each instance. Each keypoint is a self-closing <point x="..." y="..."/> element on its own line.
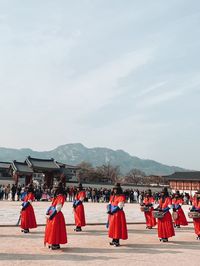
<point x="165" y="224"/>
<point x="79" y="213"/>
<point x="55" y="232"/>
<point x="150" y="220"/>
<point x="181" y="220"/>
<point x="196" y="221"/>
<point x="117" y="221"/>
<point x="28" y="216"/>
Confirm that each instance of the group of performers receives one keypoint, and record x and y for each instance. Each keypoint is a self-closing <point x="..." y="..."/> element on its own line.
<point x="165" y="220"/>
<point x="56" y="234"/>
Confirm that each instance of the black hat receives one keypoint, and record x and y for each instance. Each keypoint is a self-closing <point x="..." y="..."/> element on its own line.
<point x="117" y="185"/>
<point x="30" y="187"/>
<point x="148" y="192"/>
<point x="58" y="185"/>
<point x="118" y="188"/>
<point x="177" y="192"/>
<point x="80" y="186"/>
<point x="165" y="191"/>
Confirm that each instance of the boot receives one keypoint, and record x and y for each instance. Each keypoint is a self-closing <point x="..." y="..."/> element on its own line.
<point x="116" y="243"/>
<point x="54" y="247"/>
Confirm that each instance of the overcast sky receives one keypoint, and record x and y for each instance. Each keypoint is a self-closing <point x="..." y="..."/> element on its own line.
<point x="117" y="74"/>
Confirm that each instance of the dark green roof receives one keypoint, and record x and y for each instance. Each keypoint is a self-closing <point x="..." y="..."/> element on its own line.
<point x="42" y="164"/>
<point x="21" y="167"/>
<point x="191" y="176"/>
<point x="5" y="165"/>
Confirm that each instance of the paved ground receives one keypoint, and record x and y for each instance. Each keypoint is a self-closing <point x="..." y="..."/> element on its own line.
<point x="95" y="212"/>
<point x="91" y="247"/>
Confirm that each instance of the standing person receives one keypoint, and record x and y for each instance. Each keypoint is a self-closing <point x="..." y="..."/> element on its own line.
<point x="177" y="202"/>
<point x="79" y="213"/>
<point x="13" y="192"/>
<point x="55" y="231"/>
<point x="149" y="202"/>
<point x="165" y="224"/>
<point x="196" y="208"/>
<point x="28" y="220"/>
<point x="19" y="188"/>
<point x="117" y="220"/>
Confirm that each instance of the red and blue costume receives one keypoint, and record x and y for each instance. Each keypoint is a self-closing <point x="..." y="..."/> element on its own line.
<point x="150" y="219"/>
<point x="181" y="219"/>
<point x="117" y="220"/>
<point x="55" y="232"/>
<point x="79" y="213"/>
<point x="196" y="221"/>
<point x="165" y="224"/>
<point x="28" y="220"/>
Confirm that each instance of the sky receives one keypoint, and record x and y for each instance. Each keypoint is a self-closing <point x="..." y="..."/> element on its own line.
<point x="116" y="74"/>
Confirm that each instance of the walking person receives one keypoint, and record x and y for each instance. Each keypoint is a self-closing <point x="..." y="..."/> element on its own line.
<point x="196" y="208"/>
<point x="148" y="202"/>
<point x="55" y="231"/>
<point x="165" y="224"/>
<point x="178" y="213"/>
<point x="117" y="220"/>
<point x="79" y="213"/>
<point x="28" y="220"/>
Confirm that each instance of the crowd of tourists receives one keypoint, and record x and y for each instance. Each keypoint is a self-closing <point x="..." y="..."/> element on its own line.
<point x="42" y="193"/>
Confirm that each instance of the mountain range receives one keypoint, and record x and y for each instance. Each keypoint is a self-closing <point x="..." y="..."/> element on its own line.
<point x="76" y="153"/>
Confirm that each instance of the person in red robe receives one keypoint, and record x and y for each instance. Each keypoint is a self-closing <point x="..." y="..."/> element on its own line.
<point x="79" y="213"/>
<point x="28" y="220"/>
<point x="177" y="202"/>
<point x="149" y="201"/>
<point x="165" y="224"/>
<point x="196" y="208"/>
<point x="117" y="220"/>
<point x="55" y="231"/>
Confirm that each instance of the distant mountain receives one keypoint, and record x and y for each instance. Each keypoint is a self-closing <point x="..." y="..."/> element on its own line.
<point x="76" y="153"/>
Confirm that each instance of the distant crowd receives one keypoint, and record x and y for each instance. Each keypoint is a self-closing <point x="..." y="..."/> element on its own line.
<point x="42" y="193"/>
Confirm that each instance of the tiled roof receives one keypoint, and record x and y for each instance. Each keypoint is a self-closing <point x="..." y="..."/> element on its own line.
<point x="21" y="167"/>
<point x="68" y="166"/>
<point x="195" y="175"/>
<point x="42" y="163"/>
<point x="5" y="165"/>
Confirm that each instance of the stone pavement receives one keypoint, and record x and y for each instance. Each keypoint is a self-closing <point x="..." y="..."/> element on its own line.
<point x="91" y="247"/>
<point x="95" y="212"/>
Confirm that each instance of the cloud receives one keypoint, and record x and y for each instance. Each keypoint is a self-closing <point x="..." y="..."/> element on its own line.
<point x="101" y="85"/>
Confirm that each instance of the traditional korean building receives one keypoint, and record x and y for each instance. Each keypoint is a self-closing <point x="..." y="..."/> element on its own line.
<point x="47" y="171"/>
<point x="21" y="172"/>
<point x="48" y="167"/>
<point x="5" y="176"/>
<point x="185" y="181"/>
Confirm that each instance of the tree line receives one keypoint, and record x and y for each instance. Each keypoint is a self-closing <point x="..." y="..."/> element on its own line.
<point x="111" y="174"/>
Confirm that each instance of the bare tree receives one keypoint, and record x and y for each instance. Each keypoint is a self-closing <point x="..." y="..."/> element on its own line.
<point x="135" y="176"/>
<point x="109" y="171"/>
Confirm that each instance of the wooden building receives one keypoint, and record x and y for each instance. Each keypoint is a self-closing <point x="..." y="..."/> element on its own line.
<point x="48" y="171"/>
<point x="5" y="176"/>
<point x="21" y="172"/>
<point x="185" y="181"/>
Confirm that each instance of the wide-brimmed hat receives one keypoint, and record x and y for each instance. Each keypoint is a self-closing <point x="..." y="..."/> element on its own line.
<point x="165" y="191"/>
<point x="58" y="185"/>
<point x="80" y="186"/>
<point x="30" y="187"/>
<point x="118" y="188"/>
<point x="148" y="192"/>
